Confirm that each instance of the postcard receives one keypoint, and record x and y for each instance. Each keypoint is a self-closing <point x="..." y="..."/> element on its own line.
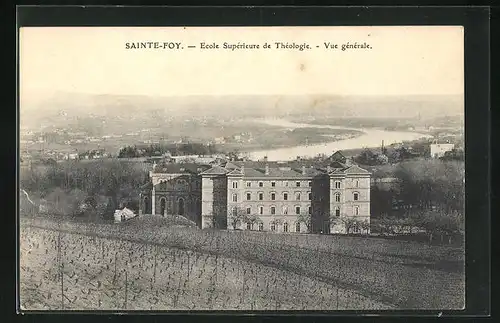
<point x="241" y="168"/>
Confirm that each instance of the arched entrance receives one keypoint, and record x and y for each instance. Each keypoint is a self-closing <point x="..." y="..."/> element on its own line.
<point x="181" y="206"/>
<point x="147" y="205"/>
<point x="162" y="206"/>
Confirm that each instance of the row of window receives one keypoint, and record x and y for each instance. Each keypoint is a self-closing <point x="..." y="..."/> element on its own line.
<point x="273" y="184"/>
<point x="286" y="184"/>
<point x="273" y="226"/>
<point x="355" y="196"/>
<point x="272" y="210"/>
<point x="355" y="210"/>
<point x="260" y="196"/>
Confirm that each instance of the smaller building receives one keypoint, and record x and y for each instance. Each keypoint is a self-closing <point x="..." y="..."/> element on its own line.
<point x="123" y="215"/>
<point x="438" y="150"/>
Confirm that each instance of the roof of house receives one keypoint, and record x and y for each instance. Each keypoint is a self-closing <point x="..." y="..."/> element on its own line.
<point x="293" y="169"/>
<point x="173" y="168"/>
<point x="338" y="153"/>
<point x="215" y="170"/>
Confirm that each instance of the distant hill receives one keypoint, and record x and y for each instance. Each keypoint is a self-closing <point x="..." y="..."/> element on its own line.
<point x="65" y="109"/>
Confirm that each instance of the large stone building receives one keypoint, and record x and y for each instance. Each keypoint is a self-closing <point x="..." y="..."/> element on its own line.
<point x="266" y="196"/>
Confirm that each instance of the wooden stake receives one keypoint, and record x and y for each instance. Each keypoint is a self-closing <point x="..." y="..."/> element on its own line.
<point x="126" y="289"/>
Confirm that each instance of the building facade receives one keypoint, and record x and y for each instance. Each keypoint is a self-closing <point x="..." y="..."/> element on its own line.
<point x="261" y="196"/>
<point x="438" y="150"/>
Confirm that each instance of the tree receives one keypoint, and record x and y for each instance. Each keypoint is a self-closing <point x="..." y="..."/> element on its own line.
<point x="252" y="219"/>
<point x="277" y="222"/>
<point x="366" y="157"/>
<point x="237" y="216"/>
<point x="349" y="223"/>
<point x="306" y="218"/>
<point x="365" y="226"/>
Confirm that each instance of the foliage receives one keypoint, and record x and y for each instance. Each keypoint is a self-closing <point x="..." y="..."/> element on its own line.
<point x="368" y="157"/>
<point x="454" y="154"/>
<point x="431" y="184"/>
<point x="81" y="188"/>
<point x="306" y="218"/>
<point x="433" y="223"/>
<point x="174" y="149"/>
<point x="237" y="217"/>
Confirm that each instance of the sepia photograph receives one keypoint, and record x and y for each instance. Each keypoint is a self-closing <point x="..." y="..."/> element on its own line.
<point x="241" y="168"/>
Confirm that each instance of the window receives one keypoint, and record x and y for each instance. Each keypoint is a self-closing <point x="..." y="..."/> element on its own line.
<point x="249" y="196"/>
<point x="285" y="196"/>
<point x="273" y="226"/>
<point x="356" y="210"/>
<point x="273" y="210"/>
<point x="261" y="226"/>
<point x="285" y="227"/>
<point x="249" y="210"/>
<point x="234" y="211"/>
<point x="273" y="184"/>
<point x="337" y="184"/>
<point x="297" y="184"/>
<point x="337" y="197"/>
<point x="249" y="184"/>
<point x="297" y="196"/>
<point x="249" y="226"/>
<point x="297" y="227"/>
<point x="337" y="211"/>
<point x="285" y="184"/>
<point x="356" y="196"/>
<point x="261" y="210"/>
<point x="235" y="197"/>
<point x="235" y="184"/>
<point x="261" y="184"/>
<point x="273" y="196"/>
<point x="297" y="210"/>
<point x="309" y="183"/>
<point x="285" y="210"/>
<point x="356" y="183"/>
<point x="309" y="210"/>
<point x="261" y="196"/>
<point x="310" y="196"/>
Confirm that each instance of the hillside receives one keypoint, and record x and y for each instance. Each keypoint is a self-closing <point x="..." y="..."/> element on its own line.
<point x="73" y="109"/>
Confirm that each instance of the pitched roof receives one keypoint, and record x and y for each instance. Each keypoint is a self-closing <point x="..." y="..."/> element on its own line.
<point x="355" y="169"/>
<point x="230" y="165"/>
<point x="235" y="172"/>
<point x="216" y="170"/>
<point x="338" y="153"/>
<point x="169" y="168"/>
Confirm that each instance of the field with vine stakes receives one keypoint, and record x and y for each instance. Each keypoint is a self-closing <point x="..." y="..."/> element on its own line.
<point x="149" y="265"/>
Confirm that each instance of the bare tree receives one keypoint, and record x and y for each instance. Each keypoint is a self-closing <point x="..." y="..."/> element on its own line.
<point x="306" y="218"/>
<point x="237" y="216"/>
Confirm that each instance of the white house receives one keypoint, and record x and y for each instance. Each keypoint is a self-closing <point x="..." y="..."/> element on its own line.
<point x="438" y="150"/>
<point x="123" y="215"/>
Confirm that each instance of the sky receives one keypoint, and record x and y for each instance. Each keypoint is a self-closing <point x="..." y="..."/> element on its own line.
<point x="403" y="61"/>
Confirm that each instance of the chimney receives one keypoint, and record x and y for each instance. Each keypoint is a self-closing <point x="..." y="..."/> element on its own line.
<point x="267" y="169"/>
<point x="303" y="170"/>
<point x="328" y="169"/>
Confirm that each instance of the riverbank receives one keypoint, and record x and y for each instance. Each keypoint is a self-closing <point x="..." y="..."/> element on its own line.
<point x="370" y="138"/>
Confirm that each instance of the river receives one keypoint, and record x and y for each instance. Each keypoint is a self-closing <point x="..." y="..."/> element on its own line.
<point x="369" y="139"/>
